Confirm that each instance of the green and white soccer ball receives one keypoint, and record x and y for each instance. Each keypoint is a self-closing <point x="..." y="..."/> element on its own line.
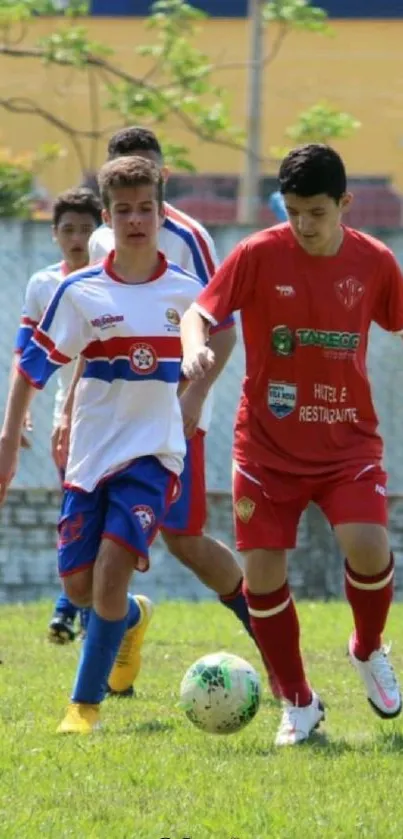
<point x="220" y="693"/>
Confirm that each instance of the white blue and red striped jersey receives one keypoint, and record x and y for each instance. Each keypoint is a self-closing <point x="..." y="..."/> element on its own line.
<point x="39" y="292"/>
<point x="185" y="242"/>
<point x="126" y="404"/>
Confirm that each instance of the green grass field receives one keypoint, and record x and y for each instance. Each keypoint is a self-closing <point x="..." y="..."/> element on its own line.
<point x="149" y="774"/>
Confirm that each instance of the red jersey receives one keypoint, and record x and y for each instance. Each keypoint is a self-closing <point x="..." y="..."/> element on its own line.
<point x="306" y="403"/>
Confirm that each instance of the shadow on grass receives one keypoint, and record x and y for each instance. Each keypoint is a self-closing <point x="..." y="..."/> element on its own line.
<point x="324" y="746"/>
<point x="149" y="727"/>
<point x="382" y="743"/>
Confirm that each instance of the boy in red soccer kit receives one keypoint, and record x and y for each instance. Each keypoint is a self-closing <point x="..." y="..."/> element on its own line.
<point x="306" y="429"/>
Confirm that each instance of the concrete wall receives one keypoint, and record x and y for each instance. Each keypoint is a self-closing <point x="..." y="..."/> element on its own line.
<point x="28" y="552"/>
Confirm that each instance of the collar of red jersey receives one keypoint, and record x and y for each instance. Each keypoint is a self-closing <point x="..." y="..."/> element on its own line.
<point x="160" y="270"/>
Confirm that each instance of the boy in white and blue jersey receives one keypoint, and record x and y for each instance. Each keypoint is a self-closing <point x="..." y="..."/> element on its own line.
<point x="76" y="214"/>
<point x="127" y="443"/>
<point x="189" y="245"/>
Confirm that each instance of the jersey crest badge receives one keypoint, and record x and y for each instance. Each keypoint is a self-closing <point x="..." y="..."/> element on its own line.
<point x="349" y="291"/>
<point x="172" y="317"/>
<point x="244" y="509"/>
<point x="143" y="359"/>
<point x="71" y="530"/>
<point x="145" y="516"/>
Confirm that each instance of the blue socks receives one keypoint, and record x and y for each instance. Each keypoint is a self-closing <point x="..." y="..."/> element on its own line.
<point x="67" y="608"/>
<point x="134" y="613"/>
<point x="236" y="602"/>
<point x="64" y="605"/>
<point x="84" y="618"/>
<point x="99" y="652"/>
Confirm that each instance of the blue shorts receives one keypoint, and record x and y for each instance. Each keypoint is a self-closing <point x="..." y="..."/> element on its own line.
<point x="187" y="514"/>
<point x="127" y="508"/>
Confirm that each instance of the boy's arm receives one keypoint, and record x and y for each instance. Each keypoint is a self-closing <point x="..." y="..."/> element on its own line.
<point x="30" y="316"/>
<point x="19" y="398"/>
<point x="203" y="261"/>
<point x="198" y="358"/>
<point x="221" y="344"/>
<point x="227" y="292"/>
<point x="27" y="426"/>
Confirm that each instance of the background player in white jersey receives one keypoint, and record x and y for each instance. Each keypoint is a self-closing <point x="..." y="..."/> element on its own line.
<point x="188" y="244"/>
<point x="127" y="442"/>
<point x="76" y="214"/>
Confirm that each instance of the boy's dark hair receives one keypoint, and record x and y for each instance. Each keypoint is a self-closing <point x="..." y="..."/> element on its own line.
<point x="313" y="169"/>
<point x="130" y="172"/>
<point x="133" y="140"/>
<point x="78" y="200"/>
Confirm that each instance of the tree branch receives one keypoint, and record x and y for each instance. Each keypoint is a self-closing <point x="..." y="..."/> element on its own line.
<point x="94" y="115"/>
<point x="267" y="59"/>
<point x="18" y="105"/>
<point x="115" y="72"/>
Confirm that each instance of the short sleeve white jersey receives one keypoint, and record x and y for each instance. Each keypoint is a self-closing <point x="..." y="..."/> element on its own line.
<point x="39" y="292"/>
<point x="185" y="242"/>
<point x="126" y="404"/>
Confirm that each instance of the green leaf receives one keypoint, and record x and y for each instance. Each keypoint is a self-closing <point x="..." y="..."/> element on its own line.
<point x="297" y="14"/>
<point x="72" y="46"/>
<point x="322" y="123"/>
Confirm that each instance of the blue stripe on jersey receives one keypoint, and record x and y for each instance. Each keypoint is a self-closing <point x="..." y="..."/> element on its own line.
<point x="188" y="237"/>
<point x="36" y="364"/>
<point x="167" y="371"/>
<point x="75" y="278"/>
<point x="178" y="270"/>
<point x="23" y="338"/>
<point x="229" y="321"/>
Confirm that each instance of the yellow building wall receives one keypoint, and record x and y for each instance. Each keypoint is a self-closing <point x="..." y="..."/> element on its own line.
<point x="358" y="69"/>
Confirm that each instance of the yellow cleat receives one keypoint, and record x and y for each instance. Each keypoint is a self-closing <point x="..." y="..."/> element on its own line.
<point x="128" y="660"/>
<point x="80" y="719"/>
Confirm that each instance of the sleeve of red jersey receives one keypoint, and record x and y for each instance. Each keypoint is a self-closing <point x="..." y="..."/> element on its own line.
<point x="203" y="261"/>
<point x="228" y="290"/>
<point x="61" y="335"/>
<point x="389" y="307"/>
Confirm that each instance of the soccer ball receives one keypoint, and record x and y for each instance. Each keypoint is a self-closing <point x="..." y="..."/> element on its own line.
<point x="220" y="693"/>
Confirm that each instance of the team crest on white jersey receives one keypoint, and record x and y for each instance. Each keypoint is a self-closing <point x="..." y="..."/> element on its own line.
<point x="143" y="358"/>
<point x="349" y="291"/>
<point x="145" y="516"/>
<point x="172" y="317"/>
<point x="281" y="399"/>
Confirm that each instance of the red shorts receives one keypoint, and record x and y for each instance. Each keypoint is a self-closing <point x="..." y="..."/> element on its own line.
<point x="268" y="505"/>
<point x="187" y="514"/>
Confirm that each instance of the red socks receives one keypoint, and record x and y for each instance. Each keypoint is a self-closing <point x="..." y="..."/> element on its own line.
<point x="275" y="625"/>
<point x="370" y="599"/>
